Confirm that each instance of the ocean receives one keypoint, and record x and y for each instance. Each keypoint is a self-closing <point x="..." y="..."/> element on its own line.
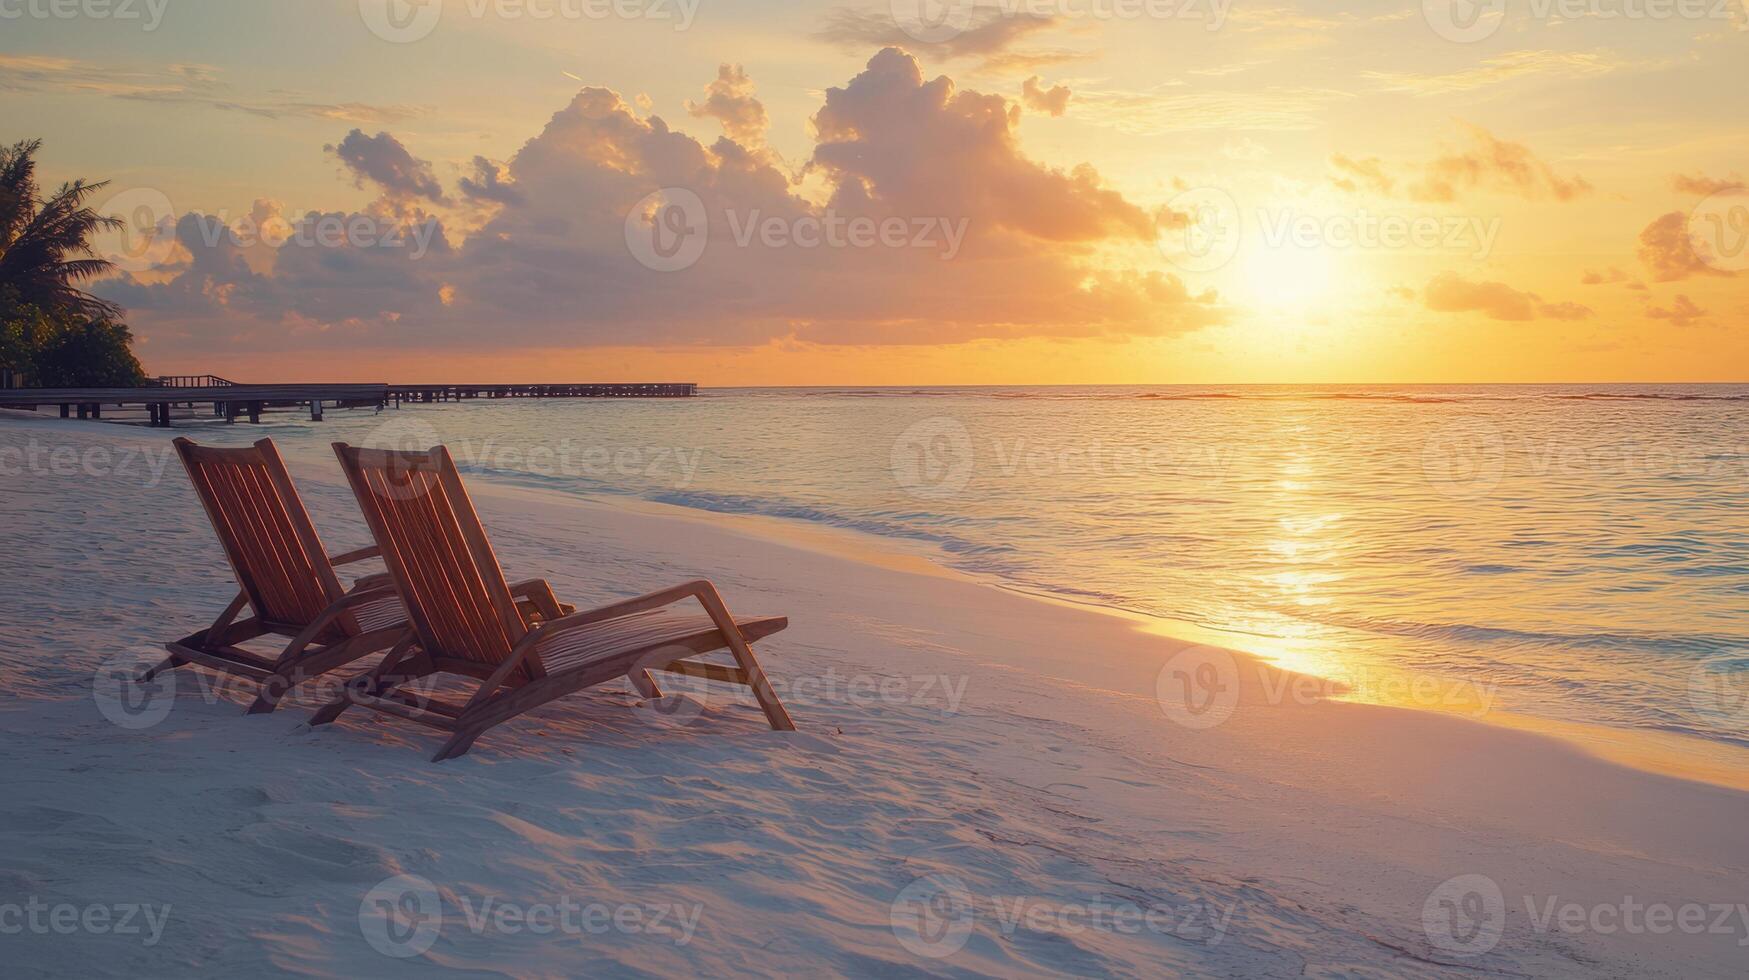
<point x="1578" y="552"/>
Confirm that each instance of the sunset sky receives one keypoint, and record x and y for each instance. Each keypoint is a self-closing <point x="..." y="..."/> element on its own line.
<point x="1092" y="191"/>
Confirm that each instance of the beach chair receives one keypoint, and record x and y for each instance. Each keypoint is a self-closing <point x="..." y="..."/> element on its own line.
<point x="465" y="620"/>
<point x="286" y="577"/>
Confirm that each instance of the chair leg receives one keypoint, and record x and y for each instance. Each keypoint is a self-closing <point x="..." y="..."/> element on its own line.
<point x="169" y="663"/>
<point x="644" y="684"/>
<point x="374" y="681"/>
<point x="272" y="690"/>
<point x="762" y="692"/>
<point x="327" y="713"/>
<point x="458" y="744"/>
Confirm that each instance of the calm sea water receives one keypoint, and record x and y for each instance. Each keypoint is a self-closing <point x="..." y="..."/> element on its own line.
<point x="1581" y="550"/>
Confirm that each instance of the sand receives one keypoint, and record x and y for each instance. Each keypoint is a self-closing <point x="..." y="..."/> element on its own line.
<point x="984" y="783"/>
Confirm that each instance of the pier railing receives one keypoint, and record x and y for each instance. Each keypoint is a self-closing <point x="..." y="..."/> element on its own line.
<point x="230" y="401"/>
<point x="189" y="381"/>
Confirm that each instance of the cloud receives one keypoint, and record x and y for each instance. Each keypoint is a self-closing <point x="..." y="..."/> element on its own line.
<point x="731" y="102"/>
<point x="1667" y="251"/>
<point x="1594" y="278"/>
<point x="1054" y="100"/>
<point x="1355" y="175"/>
<point x="1493" y="71"/>
<point x="382" y="160"/>
<point x="1173" y="107"/>
<point x="181" y="84"/>
<point x="1704" y="186"/>
<point x="1483" y="162"/>
<point x="1037" y="251"/>
<point x="992" y="37"/>
<point x="489" y="183"/>
<point x="1449" y="292"/>
<point x="1494" y="164"/>
<point x="1681" y="313"/>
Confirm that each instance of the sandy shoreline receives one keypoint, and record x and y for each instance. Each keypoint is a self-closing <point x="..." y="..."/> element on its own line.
<point x="1029" y="767"/>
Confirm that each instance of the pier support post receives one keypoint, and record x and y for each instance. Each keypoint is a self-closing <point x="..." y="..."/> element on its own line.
<point x="316" y="410"/>
<point x="97" y="410"/>
<point x="231" y="412"/>
<point x="66" y="410"/>
<point x="254" y="413"/>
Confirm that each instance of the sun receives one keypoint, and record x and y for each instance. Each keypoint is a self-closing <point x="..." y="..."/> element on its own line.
<point x="1288" y="276"/>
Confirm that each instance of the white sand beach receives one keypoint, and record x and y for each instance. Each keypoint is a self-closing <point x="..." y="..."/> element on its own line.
<point x="983" y="783"/>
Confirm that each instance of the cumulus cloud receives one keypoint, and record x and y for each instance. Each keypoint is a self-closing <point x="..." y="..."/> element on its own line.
<point x="1449" y="292"/>
<point x="1668" y="252"/>
<point x="1481" y="162"/>
<point x="382" y="160"/>
<point x="1053" y="101"/>
<point x="730" y="101"/>
<point x="1036" y="251"/>
<point x="1681" y="313"/>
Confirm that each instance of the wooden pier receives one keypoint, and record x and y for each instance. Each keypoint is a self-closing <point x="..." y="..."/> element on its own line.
<point x="447" y="393"/>
<point x="232" y="402"/>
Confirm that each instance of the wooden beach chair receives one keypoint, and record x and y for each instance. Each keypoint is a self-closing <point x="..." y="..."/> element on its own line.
<point x="286" y="577"/>
<point x="466" y="622"/>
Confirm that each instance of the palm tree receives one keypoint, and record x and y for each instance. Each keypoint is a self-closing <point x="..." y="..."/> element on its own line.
<point x="45" y="245"/>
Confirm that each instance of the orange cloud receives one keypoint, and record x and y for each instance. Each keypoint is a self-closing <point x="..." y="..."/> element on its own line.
<point x="1666" y="250"/>
<point x="1449" y="292"/>
<point x="730" y="101"/>
<point x="1053" y="101"/>
<point x="1681" y="313"/>
<point x="1704" y="186"/>
<point x="1483" y="163"/>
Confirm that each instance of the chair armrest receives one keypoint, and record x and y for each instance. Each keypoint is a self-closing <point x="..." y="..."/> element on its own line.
<point x="537" y="592"/>
<point x="541" y="632"/>
<point x="625" y="607"/>
<point x="327" y="618"/>
<point x="356" y="556"/>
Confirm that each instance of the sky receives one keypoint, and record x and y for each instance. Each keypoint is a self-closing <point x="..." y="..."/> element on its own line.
<point x="907" y="192"/>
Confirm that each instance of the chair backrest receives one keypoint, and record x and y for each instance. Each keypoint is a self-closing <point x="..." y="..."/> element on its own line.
<point x="436" y="549"/>
<point x="266" y="533"/>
